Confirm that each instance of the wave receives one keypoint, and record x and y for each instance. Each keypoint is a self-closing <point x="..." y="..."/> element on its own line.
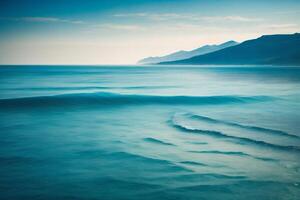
<point x="234" y="153"/>
<point x="196" y="142"/>
<point x="113" y="182"/>
<point x="254" y="128"/>
<point x="240" y="140"/>
<point x="91" y="88"/>
<point x="247" y="188"/>
<point x="193" y="163"/>
<point x="207" y="177"/>
<point x="105" y="98"/>
<point x="156" y="141"/>
<point x="132" y="159"/>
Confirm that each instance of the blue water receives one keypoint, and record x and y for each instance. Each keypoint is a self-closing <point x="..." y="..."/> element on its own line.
<point x="80" y="132"/>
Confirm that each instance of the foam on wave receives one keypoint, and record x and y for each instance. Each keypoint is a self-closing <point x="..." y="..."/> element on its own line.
<point x="241" y="140"/>
<point x="247" y="127"/>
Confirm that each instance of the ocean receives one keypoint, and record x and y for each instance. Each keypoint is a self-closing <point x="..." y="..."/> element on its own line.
<point x="149" y="132"/>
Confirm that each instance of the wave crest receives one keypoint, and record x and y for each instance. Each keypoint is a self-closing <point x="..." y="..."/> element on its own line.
<point x="104" y="98"/>
<point x="242" y="126"/>
<point x="241" y="140"/>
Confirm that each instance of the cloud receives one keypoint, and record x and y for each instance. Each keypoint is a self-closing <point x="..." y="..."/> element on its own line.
<point x="131" y="15"/>
<point x="282" y="26"/>
<point x="190" y="17"/>
<point x="120" y="27"/>
<point x="156" y="16"/>
<point x="42" y="20"/>
<point x="91" y="26"/>
<point x="231" y="18"/>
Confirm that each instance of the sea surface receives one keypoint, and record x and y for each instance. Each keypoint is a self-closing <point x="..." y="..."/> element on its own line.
<point x="145" y="132"/>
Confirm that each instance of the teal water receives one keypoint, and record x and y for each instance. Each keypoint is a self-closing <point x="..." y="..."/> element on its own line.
<point x="81" y="132"/>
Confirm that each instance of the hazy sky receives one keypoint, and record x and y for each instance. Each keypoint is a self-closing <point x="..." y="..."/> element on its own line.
<point x="124" y="31"/>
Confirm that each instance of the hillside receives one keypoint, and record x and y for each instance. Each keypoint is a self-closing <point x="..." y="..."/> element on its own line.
<point x="180" y="55"/>
<point x="268" y="49"/>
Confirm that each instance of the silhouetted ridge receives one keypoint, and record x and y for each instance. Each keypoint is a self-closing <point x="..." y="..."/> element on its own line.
<point x="281" y="49"/>
<point x="179" y="55"/>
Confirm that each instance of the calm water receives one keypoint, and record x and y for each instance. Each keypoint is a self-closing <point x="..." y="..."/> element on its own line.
<point x="149" y="132"/>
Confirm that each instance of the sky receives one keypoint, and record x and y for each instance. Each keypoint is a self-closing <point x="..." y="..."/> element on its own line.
<point x="92" y="32"/>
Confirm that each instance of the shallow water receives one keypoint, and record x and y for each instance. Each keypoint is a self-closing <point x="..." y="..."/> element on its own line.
<point x="78" y="132"/>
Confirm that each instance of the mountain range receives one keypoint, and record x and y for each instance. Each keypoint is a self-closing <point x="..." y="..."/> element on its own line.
<point x="180" y="55"/>
<point x="281" y="49"/>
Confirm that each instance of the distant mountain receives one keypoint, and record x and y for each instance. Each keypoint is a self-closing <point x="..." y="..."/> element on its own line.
<point x="268" y="49"/>
<point x="180" y="55"/>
